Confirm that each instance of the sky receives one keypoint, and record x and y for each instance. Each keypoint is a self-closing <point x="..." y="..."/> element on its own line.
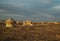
<point x="34" y="10"/>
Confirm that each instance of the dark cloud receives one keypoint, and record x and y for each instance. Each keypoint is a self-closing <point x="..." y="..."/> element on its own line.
<point x="35" y="10"/>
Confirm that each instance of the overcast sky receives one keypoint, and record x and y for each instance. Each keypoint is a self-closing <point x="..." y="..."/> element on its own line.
<point x="35" y="10"/>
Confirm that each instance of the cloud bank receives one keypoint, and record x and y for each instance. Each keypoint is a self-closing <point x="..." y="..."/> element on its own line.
<point x="35" y="10"/>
